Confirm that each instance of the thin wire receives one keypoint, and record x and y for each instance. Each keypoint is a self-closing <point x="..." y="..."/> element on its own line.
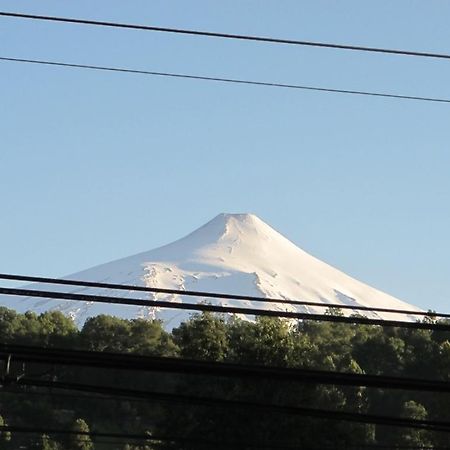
<point x="137" y="437"/>
<point x="228" y="80"/>
<point x="202" y="307"/>
<point x="149" y="438"/>
<point x="240" y="404"/>
<point x="85" y="396"/>
<point x="143" y="438"/>
<point x="222" y="296"/>
<point x="114" y="441"/>
<point x="105" y="360"/>
<point x="79" y="396"/>
<point x="227" y="35"/>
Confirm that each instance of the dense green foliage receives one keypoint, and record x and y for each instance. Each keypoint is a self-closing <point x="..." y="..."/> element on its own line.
<point x="272" y="342"/>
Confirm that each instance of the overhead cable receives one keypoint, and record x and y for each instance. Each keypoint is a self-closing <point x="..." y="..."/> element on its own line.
<point x="108" y="360"/>
<point x="242" y="37"/>
<point x="260" y="407"/>
<point x="141" y="438"/>
<point x="228" y="80"/>
<point x="216" y="295"/>
<point x="202" y="307"/>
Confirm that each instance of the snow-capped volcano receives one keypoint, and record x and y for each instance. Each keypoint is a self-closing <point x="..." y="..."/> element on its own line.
<point x="234" y="254"/>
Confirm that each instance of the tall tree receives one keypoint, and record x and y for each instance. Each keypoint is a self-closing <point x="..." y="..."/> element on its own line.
<point x="202" y="337"/>
<point x="5" y="436"/>
<point x="80" y="441"/>
<point x="48" y="444"/>
<point x="413" y="437"/>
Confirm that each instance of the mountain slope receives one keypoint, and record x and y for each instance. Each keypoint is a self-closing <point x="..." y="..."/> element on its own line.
<point x="233" y="253"/>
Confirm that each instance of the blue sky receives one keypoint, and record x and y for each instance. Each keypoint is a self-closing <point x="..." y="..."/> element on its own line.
<point x="98" y="166"/>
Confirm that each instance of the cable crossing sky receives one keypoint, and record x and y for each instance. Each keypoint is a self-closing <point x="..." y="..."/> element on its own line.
<point x="226" y="80"/>
<point x="270" y="40"/>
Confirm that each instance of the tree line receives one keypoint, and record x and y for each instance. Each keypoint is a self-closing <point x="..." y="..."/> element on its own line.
<point x="403" y="352"/>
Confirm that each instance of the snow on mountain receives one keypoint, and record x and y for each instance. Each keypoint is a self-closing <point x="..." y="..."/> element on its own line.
<point x="233" y="253"/>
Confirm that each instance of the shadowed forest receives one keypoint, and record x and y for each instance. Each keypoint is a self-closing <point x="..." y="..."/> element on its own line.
<point x="364" y="349"/>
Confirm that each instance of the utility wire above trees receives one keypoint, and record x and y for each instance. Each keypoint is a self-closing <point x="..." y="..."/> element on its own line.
<point x="215" y="295"/>
<point x="202" y="307"/>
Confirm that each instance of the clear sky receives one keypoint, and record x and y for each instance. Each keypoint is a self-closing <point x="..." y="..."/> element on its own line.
<point x="98" y="166"/>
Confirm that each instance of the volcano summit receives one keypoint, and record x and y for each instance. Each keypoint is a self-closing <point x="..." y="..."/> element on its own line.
<point x="233" y="254"/>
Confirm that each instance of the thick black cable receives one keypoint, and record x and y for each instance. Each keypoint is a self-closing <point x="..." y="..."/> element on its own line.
<point x="226" y="35"/>
<point x="222" y="296"/>
<point x="88" y="396"/>
<point x="202" y="307"/>
<point x="163" y="397"/>
<point x="228" y="80"/>
<point x="106" y="360"/>
<point x="220" y="309"/>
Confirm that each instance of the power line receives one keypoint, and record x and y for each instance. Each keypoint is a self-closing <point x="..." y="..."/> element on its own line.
<point x="202" y="307"/>
<point x="241" y="37"/>
<point x="62" y="396"/>
<point x="190" y="400"/>
<point x="106" y="360"/>
<point x="119" y="394"/>
<point x="228" y="80"/>
<point x="57" y="431"/>
<point x="141" y="438"/>
<point x="222" y="296"/>
<point x="227" y="445"/>
<point x="151" y="438"/>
